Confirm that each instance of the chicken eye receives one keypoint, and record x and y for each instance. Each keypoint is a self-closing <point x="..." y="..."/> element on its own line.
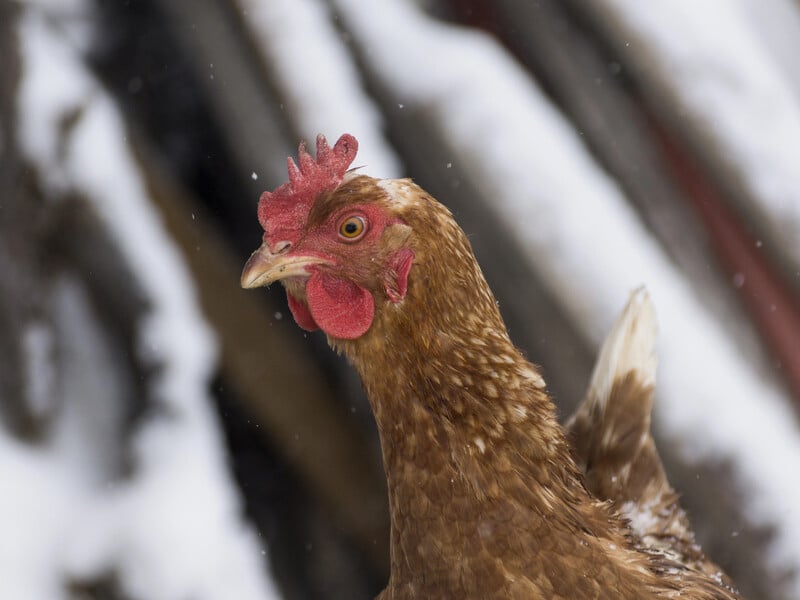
<point x="352" y="228"/>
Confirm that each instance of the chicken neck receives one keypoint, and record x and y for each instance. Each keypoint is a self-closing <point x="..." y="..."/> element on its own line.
<point x="481" y="484"/>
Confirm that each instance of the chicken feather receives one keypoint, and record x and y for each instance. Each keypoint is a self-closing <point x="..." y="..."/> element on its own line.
<point x="612" y="443"/>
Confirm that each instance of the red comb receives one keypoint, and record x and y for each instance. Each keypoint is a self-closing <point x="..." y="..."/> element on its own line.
<point x="282" y="213"/>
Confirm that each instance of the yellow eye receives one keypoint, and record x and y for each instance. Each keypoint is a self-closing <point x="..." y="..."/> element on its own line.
<point x="352" y="228"/>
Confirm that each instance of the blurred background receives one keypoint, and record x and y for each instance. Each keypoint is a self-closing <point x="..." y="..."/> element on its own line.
<point x="166" y="435"/>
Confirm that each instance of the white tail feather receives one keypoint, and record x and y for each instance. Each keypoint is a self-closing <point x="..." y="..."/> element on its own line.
<point x="630" y="346"/>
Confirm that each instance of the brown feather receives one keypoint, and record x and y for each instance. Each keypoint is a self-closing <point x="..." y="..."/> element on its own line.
<point x="610" y="437"/>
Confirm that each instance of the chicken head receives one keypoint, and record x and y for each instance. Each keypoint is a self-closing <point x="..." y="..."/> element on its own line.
<point x="333" y="240"/>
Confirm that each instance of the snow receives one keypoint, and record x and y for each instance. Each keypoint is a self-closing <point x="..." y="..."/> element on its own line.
<point x="173" y="529"/>
<point x="37" y="346"/>
<point x="51" y="484"/>
<point x="732" y="86"/>
<point x="643" y="518"/>
<point x="778" y="30"/>
<point x="33" y="524"/>
<point x="573" y="219"/>
<point x="315" y="73"/>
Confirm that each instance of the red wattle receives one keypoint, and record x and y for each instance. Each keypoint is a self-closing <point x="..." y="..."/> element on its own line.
<point x="301" y="313"/>
<point x="340" y="307"/>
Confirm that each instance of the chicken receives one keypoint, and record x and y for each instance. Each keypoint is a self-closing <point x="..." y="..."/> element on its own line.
<point x="485" y="498"/>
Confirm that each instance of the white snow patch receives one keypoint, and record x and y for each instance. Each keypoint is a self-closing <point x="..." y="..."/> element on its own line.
<point x="711" y="57"/>
<point x="174" y="529"/>
<point x="778" y="30"/>
<point x="35" y="516"/>
<point x="590" y="248"/>
<point x="321" y="85"/>
<point x="37" y="346"/>
<point x="47" y="486"/>
<point x="644" y="519"/>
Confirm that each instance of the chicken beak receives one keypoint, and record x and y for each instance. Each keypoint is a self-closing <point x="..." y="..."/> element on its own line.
<point x="263" y="267"/>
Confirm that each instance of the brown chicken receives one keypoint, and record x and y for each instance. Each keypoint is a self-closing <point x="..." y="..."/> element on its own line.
<point x="485" y="498"/>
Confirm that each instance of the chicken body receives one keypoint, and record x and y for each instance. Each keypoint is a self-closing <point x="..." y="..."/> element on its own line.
<point x="485" y="498"/>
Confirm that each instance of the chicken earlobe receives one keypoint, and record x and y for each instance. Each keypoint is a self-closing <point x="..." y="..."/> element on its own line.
<point x="395" y="284"/>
